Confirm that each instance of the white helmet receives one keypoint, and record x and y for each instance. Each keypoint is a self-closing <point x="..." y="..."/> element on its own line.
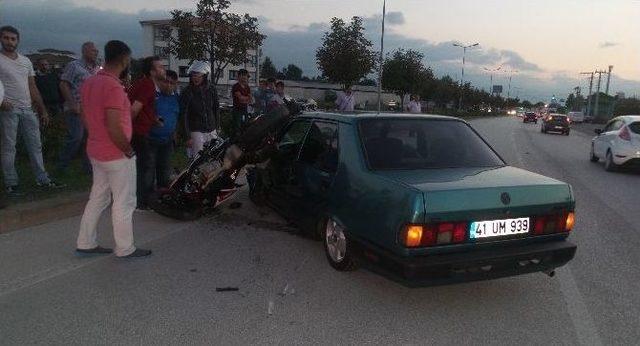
<point x="199" y="67"/>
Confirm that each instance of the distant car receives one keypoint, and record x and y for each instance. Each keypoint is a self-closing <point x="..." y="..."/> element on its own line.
<point x="556" y="123"/>
<point x="576" y="117"/>
<point x="618" y="143"/>
<point x="421" y="199"/>
<point x="530" y="117"/>
<point x="393" y="105"/>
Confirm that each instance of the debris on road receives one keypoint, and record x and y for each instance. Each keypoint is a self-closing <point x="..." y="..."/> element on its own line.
<point x="227" y="289"/>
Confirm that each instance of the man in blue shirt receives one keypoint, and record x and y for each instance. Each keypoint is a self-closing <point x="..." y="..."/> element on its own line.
<point x="157" y="168"/>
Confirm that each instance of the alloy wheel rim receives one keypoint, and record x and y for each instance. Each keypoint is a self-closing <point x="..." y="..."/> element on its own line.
<point x="335" y="241"/>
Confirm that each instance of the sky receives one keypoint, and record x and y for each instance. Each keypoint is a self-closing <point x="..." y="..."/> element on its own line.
<point x="548" y="42"/>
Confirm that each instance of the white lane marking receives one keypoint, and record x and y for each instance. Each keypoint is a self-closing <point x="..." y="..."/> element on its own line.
<point x="583" y="323"/>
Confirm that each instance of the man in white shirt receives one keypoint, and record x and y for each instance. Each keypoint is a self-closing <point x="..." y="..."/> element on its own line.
<point x="346" y="101"/>
<point x="16" y="112"/>
<point x="414" y="106"/>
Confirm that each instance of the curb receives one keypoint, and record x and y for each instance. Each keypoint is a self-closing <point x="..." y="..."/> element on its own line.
<point x="23" y="215"/>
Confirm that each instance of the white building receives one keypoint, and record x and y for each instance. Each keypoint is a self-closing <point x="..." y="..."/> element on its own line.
<point x="155" y="42"/>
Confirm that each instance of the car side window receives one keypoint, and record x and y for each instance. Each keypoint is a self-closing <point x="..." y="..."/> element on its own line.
<point x="291" y="141"/>
<point x="613" y="126"/>
<point x="320" y="149"/>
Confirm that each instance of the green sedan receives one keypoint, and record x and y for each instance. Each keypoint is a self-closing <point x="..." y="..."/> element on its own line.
<point x="421" y="199"/>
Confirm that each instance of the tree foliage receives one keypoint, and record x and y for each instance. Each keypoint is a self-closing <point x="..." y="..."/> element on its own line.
<point x="213" y="34"/>
<point x="268" y="69"/>
<point x="404" y="73"/>
<point x="346" y="55"/>
<point x="292" y="72"/>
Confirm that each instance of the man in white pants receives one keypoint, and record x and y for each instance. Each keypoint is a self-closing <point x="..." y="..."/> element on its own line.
<point x="107" y="115"/>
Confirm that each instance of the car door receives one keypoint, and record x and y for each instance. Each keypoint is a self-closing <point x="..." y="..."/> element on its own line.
<point x="315" y="172"/>
<point x="280" y="170"/>
<point x="603" y="140"/>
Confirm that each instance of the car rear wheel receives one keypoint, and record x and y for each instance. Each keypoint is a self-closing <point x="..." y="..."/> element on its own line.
<point x="594" y="158"/>
<point x="609" y="165"/>
<point x="337" y="247"/>
<point x="566" y="133"/>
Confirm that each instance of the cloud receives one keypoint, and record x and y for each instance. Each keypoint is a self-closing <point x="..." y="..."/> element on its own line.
<point x="63" y="25"/>
<point x="608" y="44"/>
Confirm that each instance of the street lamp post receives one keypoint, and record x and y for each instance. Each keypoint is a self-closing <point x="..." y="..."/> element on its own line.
<point x="511" y="72"/>
<point x="384" y="12"/>
<point x="491" y="71"/>
<point x="464" y="53"/>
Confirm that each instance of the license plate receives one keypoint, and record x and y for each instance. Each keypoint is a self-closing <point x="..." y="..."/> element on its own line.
<point x="558" y="127"/>
<point x="499" y="228"/>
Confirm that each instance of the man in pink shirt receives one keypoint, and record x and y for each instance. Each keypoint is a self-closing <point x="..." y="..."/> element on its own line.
<point x="107" y="115"/>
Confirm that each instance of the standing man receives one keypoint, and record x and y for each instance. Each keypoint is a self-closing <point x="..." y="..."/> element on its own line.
<point x="158" y="168"/>
<point x="199" y="107"/>
<point x="346" y="100"/>
<point x="16" y="112"/>
<point x="48" y="84"/>
<point x="241" y="93"/>
<point x="72" y="78"/>
<point x="414" y="105"/>
<point x="143" y="110"/>
<point x="107" y="113"/>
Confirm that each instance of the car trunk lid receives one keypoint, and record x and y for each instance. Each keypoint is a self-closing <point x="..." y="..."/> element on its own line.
<point x="473" y="194"/>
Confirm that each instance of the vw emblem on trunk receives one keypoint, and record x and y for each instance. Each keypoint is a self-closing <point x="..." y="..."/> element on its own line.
<point x="505" y="198"/>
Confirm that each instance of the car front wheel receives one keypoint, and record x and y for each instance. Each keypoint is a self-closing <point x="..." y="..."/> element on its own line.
<point x="337" y="247"/>
<point x="594" y="158"/>
<point x="609" y="165"/>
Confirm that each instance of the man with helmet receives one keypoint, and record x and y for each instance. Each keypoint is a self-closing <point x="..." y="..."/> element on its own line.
<point x="199" y="106"/>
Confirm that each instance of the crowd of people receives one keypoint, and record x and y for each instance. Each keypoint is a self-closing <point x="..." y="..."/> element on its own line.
<point x="123" y="131"/>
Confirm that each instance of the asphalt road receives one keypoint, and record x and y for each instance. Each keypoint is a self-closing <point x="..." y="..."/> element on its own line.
<point x="47" y="295"/>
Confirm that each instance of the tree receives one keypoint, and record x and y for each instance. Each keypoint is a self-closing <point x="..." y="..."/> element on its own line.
<point x="404" y="73"/>
<point x="368" y="82"/>
<point x="268" y="69"/>
<point x="292" y="72"/>
<point x="526" y="104"/>
<point x="346" y="55"/>
<point x="212" y="34"/>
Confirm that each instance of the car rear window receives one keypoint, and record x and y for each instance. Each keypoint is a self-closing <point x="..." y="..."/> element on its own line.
<point x="530" y="113"/>
<point x="635" y="127"/>
<point x="423" y="144"/>
<point x="559" y="117"/>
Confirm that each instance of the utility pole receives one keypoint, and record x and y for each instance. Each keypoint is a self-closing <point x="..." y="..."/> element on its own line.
<point x="590" y="91"/>
<point x="464" y="53"/>
<point x="384" y="12"/>
<point x="598" y="92"/>
<point x="606" y="91"/>
<point x="491" y="71"/>
<point x="509" y="90"/>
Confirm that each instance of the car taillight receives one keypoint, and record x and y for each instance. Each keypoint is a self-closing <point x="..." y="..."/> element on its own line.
<point x="434" y="234"/>
<point x="624" y="134"/>
<point x="558" y="223"/>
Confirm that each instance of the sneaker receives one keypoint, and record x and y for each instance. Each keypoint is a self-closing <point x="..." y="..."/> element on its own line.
<point x="14" y="191"/>
<point x="98" y="250"/>
<point x="52" y="185"/>
<point x="138" y="253"/>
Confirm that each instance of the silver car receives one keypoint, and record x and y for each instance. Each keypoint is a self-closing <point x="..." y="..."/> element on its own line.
<point x="618" y="143"/>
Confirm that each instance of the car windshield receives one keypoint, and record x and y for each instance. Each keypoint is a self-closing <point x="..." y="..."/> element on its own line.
<point x="635" y="127"/>
<point x="424" y="144"/>
<point x="530" y="113"/>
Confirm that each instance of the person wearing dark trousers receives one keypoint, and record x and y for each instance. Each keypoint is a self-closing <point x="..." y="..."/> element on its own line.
<point x="74" y="74"/>
<point x="158" y="163"/>
<point x="48" y="83"/>
<point x="241" y="93"/>
<point x="143" y="97"/>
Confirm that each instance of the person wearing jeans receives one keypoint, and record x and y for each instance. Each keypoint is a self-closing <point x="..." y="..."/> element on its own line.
<point x="107" y="113"/>
<point x="75" y="73"/>
<point x="16" y="113"/>
<point x="157" y="166"/>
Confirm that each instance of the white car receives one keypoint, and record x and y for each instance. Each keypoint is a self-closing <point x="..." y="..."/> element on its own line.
<point x="576" y="117"/>
<point x="618" y="143"/>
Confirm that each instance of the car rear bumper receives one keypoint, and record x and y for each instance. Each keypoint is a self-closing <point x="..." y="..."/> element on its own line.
<point x="491" y="263"/>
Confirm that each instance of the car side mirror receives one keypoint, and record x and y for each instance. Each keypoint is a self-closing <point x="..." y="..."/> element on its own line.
<point x="598" y="131"/>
